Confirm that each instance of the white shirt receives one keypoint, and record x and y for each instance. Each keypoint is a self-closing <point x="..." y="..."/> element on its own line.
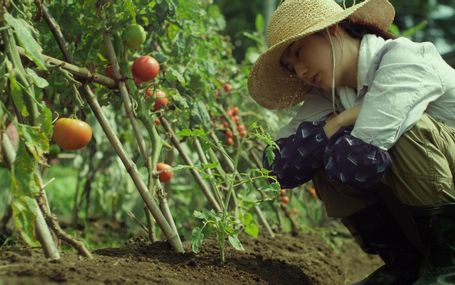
<point x="397" y="81"/>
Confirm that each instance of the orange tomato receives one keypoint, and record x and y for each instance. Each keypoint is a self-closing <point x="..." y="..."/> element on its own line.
<point x="72" y="134"/>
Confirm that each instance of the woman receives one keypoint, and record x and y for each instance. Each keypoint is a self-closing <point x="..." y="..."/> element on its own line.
<point x="376" y="131"/>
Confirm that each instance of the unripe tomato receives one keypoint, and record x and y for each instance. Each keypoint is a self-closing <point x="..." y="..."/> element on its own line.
<point x="161" y="100"/>
<point x="72" y="134"/>
<point x="145" y="68"/>
<point x="227" y="87"/>
<point x="134" y="36"/>
<point x="283" y="192"/>
<point x="165" y="171"/>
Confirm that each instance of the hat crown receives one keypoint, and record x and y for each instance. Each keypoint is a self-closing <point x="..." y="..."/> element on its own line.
<point x="294" y="17"/>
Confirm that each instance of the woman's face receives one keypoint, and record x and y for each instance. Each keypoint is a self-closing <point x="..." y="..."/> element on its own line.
<point x="311" y="60"/>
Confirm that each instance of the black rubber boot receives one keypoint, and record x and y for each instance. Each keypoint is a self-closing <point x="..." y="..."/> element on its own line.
<point x="377" y="232"/>
<point x="436" y="227"/>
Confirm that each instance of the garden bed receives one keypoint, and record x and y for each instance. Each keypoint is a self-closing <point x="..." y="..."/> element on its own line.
<point x="305" y="259"/>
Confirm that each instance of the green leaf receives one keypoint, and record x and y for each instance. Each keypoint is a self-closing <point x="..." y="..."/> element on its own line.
<point x="174" y="75"/>
<point x="37" y="80"/>
<point x="45" y="121"/>
<point x="252" y="229"/>
<point x="269" y="155"/>
<point x="17" y="95"/>
<point x="196" y="239"/>
<point x="25" y="38"/>
<point x="200" y="215"/>
<point x="235" y="242"/>
<point x="35" y="140"/>
<point x="191" y="133"/>
<point x="24" y="213"/>
<point x="259" y="23"/>
<point x="199" y="115"/>
<point x="89" y="3"/>
<point x="212" y="165"/>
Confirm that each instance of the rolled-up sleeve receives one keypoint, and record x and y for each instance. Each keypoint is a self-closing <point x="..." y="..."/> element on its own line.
<point x="402" y="87"/>
<point x="299" y="156"/>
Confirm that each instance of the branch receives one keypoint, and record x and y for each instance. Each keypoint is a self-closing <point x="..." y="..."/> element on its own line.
<point x="61" y="234"/>
<point x="80" y="72"/>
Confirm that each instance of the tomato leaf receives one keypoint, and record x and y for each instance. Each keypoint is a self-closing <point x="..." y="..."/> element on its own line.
<point x="199" y="115"/>
<point x="26" y="40"/>
<point x="196" y="239"/>
<point x="37" y="80"/>
<point x="235" y="242"/>
<point x="24" y="213"/>
<point x="17" y="95"/>
<point x="34" y="139"/>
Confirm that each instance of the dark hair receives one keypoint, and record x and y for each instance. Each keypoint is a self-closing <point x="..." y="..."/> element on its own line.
<point x="359" y="29"/>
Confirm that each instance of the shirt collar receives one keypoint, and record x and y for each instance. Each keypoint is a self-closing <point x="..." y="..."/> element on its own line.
<point x="369" y="47"/>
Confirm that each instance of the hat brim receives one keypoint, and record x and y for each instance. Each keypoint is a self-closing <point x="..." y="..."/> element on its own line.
<point x="274" y="87"/>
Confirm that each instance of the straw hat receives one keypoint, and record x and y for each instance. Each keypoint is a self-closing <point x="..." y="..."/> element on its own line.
<point x="273" y="86"/>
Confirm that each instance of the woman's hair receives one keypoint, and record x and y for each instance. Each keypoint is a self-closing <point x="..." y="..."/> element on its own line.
<point x="359" y="29"/>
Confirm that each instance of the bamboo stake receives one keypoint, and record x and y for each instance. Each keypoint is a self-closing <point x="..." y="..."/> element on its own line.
<point x="90" y="98"/>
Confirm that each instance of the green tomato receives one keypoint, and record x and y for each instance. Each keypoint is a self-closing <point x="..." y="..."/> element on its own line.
<point x="134" y="36"/>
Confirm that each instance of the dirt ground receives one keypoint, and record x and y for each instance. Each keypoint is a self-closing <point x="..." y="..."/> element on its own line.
<point x="306" y="259"/>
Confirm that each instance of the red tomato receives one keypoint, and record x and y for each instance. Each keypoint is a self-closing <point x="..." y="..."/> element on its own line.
<point x="145" y="68"/>
<point x="236" y="119"/>
<point x="148" y="93"/>
<point x="242" y="130"/>
<point x="161" y="100"/>
<point x="229" y="141"/>
<point x="229" y="133"/>
<point x="157" y="121"/>
<point x="225" y="124"/>
<point x="283" y="192"/>
<point x="227" y="87"/>
<point x="165" y="171"/>
<point x="72" y="134"/>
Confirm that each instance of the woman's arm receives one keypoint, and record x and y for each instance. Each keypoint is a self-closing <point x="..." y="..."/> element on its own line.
<point x="346" y="118"/>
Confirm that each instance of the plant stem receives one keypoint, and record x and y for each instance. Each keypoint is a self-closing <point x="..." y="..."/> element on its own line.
<point x="203" y="158"/>
<point x="52" y="221"/>
<point x="125" y="96"/>
<point x="172" y="236"/>
<point x="233" y="169"/>
<point x="205" y="189"/>
<point x="80" y="72"/>
<point x="42" y="231"/>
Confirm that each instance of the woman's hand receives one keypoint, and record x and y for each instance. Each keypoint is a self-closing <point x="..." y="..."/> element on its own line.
<point x="344" y="119"/>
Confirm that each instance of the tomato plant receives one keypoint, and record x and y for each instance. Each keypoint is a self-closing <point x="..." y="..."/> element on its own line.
<point x="72" y="134"/>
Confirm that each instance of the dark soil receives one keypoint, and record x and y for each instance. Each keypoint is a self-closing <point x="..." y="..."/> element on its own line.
<point x="306" y="259"/>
